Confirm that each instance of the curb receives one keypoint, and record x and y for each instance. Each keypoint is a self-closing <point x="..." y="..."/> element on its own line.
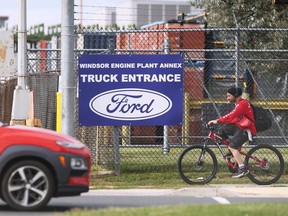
<point x="225" y="190"/>
<point x="237" y="191"/>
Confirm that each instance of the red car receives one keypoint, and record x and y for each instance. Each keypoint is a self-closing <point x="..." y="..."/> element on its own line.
<point x="37" y="164"/>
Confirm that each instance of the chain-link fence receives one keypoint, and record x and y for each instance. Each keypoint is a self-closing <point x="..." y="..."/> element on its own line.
<point x="43" y="79"/>
<point x="214" y="59"/>
<point x="6" y="95"/>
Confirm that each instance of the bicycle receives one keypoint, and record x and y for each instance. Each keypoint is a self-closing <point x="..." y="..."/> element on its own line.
<point x="198" y="164"/>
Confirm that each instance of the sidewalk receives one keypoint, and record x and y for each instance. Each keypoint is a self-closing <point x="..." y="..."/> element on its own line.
<point x="213" y="190"/>
<point x="238" y="190"/>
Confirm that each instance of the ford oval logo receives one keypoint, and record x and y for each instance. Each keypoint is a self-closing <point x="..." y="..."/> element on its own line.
<point x="130" y="104"/>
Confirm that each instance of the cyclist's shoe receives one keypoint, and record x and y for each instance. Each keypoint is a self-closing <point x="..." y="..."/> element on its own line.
<point x="228" y="154"/>
<point x="241" y="172"/>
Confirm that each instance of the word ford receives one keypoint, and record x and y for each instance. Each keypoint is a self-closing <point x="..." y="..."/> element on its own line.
<point x="121" y="104"/>
<point x="130" y="104"/>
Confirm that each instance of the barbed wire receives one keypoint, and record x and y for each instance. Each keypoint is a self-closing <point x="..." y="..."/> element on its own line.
<point x="118" y="15"/>
<point x="184" y="3"/>
<point x="87" y="13"/>
<point x="89" y="16"/>
<point x="76" y="19"/>
<point x="104" y="7"/>
<point x="133" y="8"/>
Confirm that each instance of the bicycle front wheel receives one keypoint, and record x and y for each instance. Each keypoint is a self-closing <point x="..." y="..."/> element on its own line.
<point x="265" y="164"/>
<point x="197" y="165"/>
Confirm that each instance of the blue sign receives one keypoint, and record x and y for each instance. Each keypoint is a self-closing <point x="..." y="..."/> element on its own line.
<point x="119" y="90"/>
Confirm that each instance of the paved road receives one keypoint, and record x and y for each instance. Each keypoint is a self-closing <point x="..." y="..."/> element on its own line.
<point x="221" y="194"/>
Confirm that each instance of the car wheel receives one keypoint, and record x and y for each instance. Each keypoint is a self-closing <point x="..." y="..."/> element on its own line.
<point x="27" y="185"/>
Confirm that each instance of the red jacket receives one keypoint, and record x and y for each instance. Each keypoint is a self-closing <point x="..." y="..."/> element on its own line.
<point x="242" y="107"/>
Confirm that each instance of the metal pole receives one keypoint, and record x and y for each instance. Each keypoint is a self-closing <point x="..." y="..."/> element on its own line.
<point x="21" y="106"/>
<point x="236" y="52"/>
<point x="67" y="86"/>
<point x="116" y="141"/>
<point x="166" y="148"/>
<point x="185" y="126"/>
<point x="22" y="46"/>
<point x="237" y="58"/>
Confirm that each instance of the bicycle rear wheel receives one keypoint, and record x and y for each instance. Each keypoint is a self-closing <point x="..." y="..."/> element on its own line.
<point x="270" y="167"/>
<point x="197" y="165"/>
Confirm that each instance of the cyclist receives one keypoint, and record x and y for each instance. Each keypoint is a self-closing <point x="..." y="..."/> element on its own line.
<point x="238" y="135"/>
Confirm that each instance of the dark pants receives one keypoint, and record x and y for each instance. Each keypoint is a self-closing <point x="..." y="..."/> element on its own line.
<point x="237" y="136"/>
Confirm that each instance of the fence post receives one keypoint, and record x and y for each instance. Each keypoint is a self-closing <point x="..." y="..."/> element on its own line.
<point x="116" y="139"/>
<point x="126" y="135"/>
<point x="166" y="147"/>
<point x="237" y="58"/>
<point x="186" y="126"/>
<point x="116" y="150"/>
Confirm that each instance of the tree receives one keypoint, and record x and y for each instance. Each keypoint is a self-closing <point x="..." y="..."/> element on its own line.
<point x="244" y="13"/>
<point x="253" y="14"/>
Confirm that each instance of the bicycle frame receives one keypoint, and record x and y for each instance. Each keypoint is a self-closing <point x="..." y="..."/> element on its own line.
<point x="219" y="140"/>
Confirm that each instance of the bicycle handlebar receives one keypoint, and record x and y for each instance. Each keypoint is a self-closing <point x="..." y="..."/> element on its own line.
<point x="209" y="127"/>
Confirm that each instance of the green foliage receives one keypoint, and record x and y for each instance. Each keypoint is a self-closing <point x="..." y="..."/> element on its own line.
<point x="244" y="13"/>
<point x="252" y="14"/>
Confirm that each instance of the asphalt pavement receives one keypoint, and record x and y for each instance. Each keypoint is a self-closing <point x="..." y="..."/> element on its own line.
<point x="206" y="194"/>
<point x="212" y="190"/>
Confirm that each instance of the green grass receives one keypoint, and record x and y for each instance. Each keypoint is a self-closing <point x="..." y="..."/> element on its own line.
<point x="246" y="209"/>
<point x="149" y="168"/>
<point x="162" y="179"/>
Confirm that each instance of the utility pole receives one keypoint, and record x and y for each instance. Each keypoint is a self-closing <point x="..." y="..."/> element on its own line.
<point x="21" y="100"/>
<point x="67" y="87"/>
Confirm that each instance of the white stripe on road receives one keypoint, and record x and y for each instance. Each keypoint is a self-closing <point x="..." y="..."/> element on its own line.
<point x="221" y="200"/>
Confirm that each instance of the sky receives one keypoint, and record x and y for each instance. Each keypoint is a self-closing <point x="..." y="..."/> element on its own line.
<point x="40" y="11"/>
